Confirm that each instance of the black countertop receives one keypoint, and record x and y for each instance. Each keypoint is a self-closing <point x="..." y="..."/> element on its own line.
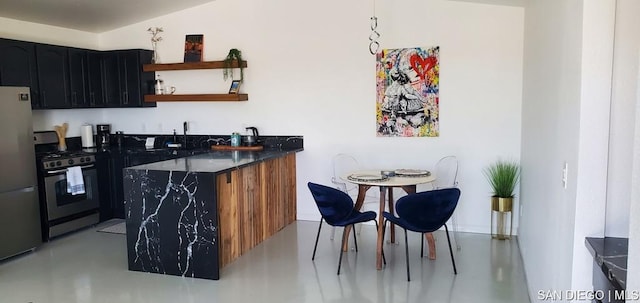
<point x="611" y="255"/>
<point x="216" y="161"/>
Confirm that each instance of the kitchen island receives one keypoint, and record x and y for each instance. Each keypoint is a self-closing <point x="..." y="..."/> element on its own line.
<point x="194" y="215"/>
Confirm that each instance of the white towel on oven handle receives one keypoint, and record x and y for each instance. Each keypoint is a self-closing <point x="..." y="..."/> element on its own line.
<point x="75" y="180"/>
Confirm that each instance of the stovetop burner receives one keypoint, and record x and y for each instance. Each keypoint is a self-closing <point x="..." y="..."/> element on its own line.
<point x="59" y="160"/>
<point x="49" y="158"/>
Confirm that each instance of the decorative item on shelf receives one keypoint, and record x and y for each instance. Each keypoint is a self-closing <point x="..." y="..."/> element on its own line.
<point x="235" y="87"/>
<point x="169" y="90"/>
<point x="233" y="55"/>
<point x="155" y="38"/>
<point x="193" y="47"/>
<point x="503" y="177"/>
<point x="159" y="85"/>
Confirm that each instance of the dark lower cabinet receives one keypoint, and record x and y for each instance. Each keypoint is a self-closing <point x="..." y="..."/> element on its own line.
<point x="18" y="67"/>
<point x="53" y="73"/>
<point x="105" y="186"/>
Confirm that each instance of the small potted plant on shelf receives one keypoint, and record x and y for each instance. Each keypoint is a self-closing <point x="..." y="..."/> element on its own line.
<point x="234" y="55"/>
<point x="503" y="177"/>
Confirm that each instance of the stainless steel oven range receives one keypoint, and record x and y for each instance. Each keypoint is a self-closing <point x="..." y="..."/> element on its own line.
<point x="63" y="210"/>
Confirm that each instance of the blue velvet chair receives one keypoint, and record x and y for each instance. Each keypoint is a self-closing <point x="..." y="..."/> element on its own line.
<point x="425" y="212"/>
<point x="336" y="208"/>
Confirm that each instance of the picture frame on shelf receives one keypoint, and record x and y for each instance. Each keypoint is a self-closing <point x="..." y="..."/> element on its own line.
<point x="193" y="48"/>
<point x="235" y="87"/>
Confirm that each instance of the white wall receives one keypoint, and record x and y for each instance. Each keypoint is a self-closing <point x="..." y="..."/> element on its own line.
<point x="625" y="76"/>
<point x="567" y="85"/>
<point x="633" y="263"/>
<point x="628" y="101"/>
<point x="310" y="73"/>
<point x="27" y="31"/>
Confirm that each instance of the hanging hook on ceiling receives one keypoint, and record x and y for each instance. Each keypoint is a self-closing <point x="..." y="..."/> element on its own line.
<point x="374" y="46"/>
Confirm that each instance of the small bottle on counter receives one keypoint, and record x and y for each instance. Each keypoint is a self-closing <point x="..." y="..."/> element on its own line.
<point x="120" y="138"/>
<point x="235" y="139"/>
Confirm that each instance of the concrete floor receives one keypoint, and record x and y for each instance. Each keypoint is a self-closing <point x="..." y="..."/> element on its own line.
<point x="90" y="266"/>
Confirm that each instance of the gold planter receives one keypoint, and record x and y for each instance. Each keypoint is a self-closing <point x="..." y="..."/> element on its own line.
<point x="501" y="208"/>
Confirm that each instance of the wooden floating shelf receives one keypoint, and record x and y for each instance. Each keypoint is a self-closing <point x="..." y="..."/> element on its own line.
<point x="190" y="65"/>
<point x="196" y="97"/>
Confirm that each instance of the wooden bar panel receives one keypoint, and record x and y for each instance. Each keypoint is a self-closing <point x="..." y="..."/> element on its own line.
<point x="259" y="201"/>
<point x="290" y="192"/>
<point x="229" y="224"/>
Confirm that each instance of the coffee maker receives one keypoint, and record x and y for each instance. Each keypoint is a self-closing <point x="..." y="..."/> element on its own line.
<point x="103" y="134"/>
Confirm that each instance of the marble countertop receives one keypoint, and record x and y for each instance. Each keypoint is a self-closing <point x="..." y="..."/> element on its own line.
<point x="611" y="255"/>
<point x="216" y="161"/>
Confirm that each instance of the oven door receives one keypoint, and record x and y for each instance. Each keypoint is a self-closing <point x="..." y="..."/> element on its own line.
<point x="60" y="203"/>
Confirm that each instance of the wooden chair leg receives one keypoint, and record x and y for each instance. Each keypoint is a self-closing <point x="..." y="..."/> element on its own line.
<point x="344" y="240"/>
<point x="317" y="237"/>
<point x="384" y="260"/>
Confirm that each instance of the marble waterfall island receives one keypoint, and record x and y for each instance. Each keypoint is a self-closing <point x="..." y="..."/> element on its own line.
<point x="191" y="216"/>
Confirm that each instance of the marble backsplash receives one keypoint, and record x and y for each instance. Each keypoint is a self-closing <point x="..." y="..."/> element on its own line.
<point x="135" y="141"/>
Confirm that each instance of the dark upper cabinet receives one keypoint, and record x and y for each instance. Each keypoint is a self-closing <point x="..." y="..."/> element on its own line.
<point x="111" y="82"/>
<point x="18" y="67"/>
<point x="53" y="75"/>
<point x="94" y="76"/>
<point x="78" y="77"/>
<point x="66" y="77"/>
<point x="125" y="83"/>
<point x="134" y="83"/>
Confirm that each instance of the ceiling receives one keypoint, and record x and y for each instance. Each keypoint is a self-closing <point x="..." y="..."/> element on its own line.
<point x="94" y="16"/>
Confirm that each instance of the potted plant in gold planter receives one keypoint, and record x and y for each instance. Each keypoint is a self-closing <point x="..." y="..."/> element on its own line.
<point x="503" y="177"/>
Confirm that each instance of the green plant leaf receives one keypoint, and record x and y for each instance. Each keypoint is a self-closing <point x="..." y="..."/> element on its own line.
<point x="503" y="177"/>
<point x="233" y="55"/>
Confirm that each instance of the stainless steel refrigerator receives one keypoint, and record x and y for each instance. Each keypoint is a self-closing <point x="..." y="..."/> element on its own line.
<point x="19" y="206"/>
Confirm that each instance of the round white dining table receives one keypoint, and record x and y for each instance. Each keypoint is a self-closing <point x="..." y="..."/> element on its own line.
<point x="365" y="179"/>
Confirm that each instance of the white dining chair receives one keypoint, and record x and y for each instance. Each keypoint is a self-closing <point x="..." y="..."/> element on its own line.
<point x="446" y="170"/>
<point x="343" y="164"/>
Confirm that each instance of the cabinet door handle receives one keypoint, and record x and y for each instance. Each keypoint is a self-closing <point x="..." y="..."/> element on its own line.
<point x="125" y="97"/>
<point x="74" y="98"/>
<point x="92" y="98"/>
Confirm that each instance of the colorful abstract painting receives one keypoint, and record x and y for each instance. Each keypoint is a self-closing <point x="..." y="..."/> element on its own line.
<point x="407" y="90"/>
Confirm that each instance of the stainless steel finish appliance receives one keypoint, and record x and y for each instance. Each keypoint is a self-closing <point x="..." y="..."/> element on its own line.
<point x="104" y="135"/>
<point x="19" y="207"/>
<point x="62" y="211"/>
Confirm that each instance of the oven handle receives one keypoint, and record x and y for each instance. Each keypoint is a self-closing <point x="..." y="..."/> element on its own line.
<point x="51" y="172"/>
